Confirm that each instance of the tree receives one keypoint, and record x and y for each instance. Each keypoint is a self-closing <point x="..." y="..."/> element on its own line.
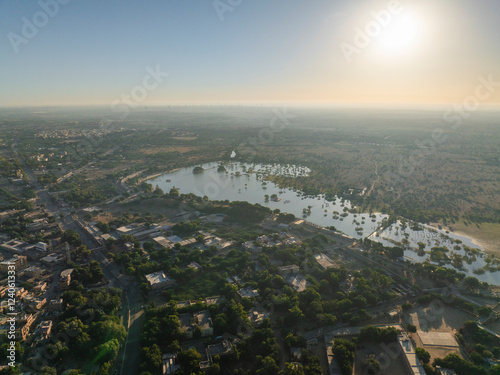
<point x="411" y="328"/>
<point x="152" y="358"/>
<point x="371" y="365"/>
<point x="174" y="193"/>
<point x="71" y="237"/>
<point x="423" y="355"/>
<point x="343" y="350"/>
<point x="471" y="283"/>
<point x="107" y="351"/>
<point x="189" y="359"/>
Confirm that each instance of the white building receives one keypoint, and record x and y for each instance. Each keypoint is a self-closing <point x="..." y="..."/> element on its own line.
<point x="159" y="280"/>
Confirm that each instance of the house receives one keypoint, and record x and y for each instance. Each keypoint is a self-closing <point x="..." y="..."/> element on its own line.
<point x="174" y="239"/>
<point x="129" y="246"/>
<point x="159" y="280"/>
<point x="218" y="242"/>
<point x="35" y="304"/>
<point x="65" y="279"/>
<point x="256" y="317"/>
<point x="23" y="329"/>
<point x="324" y="261"/>
<point x="298" y="282"/>
<point x="198" y="321"/>
<point x="297" y="223"/>
<point x="14" y="246"/>
<point x="53" y="259"/>
<point x="169" y="366"/>
<point x="194" y="266"/>
<point x="40" y="287"/>
<point x="40" y="246"/>
<point x="46" y="328"/>
<point x="248" y="292"/>
<point x="221" y="349"/>
<point x="162" y="242"/>
<point x="287" y="270"/>
<point x="55" y="305"/>
<point x="33" y="271"/>
<point x="444" y="371"/>
<point x="252" y="247"/>
<point x="18" y="261"/>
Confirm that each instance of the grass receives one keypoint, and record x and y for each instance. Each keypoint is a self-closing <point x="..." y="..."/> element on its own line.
<point x="486" y="235"/>
<point x="203" y="285"/>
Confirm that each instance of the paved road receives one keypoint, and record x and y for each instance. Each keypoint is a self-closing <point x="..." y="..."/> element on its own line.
<point x="131" y="295"/>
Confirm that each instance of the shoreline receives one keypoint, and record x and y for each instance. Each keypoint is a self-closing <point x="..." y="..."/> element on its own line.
<point x="485" y="245"/>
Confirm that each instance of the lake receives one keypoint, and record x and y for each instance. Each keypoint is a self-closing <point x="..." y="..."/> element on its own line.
<point x="246" y="182"/>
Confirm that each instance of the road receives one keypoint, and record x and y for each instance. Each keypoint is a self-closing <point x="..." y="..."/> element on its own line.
<point x="130" y="298"/>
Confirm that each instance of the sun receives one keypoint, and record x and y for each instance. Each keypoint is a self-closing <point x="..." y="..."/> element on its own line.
<point x="401" y="35"/>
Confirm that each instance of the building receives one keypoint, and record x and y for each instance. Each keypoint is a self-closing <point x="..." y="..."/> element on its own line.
<point x="297" y="281"/>
<point x="65" y="279"/>
<point x="287" y="270"/>
<point x="162" y="242"/>
<point x="194" y="266"/>
<point x="324" y="261"/>
<point x="46" y="328"/>
<point x="40" y="246"/>
<point x="169" y="366"/>
<point x="252" y="247"/>
<point x="53" y="259"/>
<point x="256" y="317"/>
<point x="55" y="305"/>
<point x="33" y="272"/>
<point x="200" y="321"/>
<point x="413" y="365"/>
<point x="35" y="304"/>
<point x="297" y="223"/>
<point x="19" y="261"/>
<point x="174" y="239"/>
<point x="40" y="287"/>
<point x="24" y="328"/>
<point x="222" y="349"/>
<point x="218" y="242"/>
<point x="248" y="293"/>
<point x="159" y="280"/>
<point x="14" y="246"/>
<point x="445" y="371"/>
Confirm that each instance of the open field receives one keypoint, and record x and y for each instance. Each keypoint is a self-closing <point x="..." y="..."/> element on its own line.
<point x="438" y="317"/>
<point x="486" y="234"/>
<point x="156" y="150"/>
<point x="436" y="326"/>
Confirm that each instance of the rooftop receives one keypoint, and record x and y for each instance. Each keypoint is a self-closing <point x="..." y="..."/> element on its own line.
<point x="158" y="278"/>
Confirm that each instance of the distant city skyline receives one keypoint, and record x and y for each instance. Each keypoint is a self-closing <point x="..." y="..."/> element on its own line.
<point x="67" y="53"/>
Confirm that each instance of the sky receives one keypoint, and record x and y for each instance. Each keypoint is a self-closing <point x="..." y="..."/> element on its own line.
<point x="135" y="53"/>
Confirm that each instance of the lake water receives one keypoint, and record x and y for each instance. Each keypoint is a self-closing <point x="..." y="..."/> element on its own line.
<point x="246" y="182"/>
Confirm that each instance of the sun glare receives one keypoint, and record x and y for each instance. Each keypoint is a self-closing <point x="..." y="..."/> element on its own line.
<point x="401" y="35"/>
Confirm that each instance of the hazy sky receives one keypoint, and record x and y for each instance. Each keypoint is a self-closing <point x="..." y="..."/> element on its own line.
<point x="101" y="51"/>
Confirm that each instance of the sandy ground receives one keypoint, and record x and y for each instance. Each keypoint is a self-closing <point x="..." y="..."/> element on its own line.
<point x="438" y="317"/>
<point x="487" y="235"/>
